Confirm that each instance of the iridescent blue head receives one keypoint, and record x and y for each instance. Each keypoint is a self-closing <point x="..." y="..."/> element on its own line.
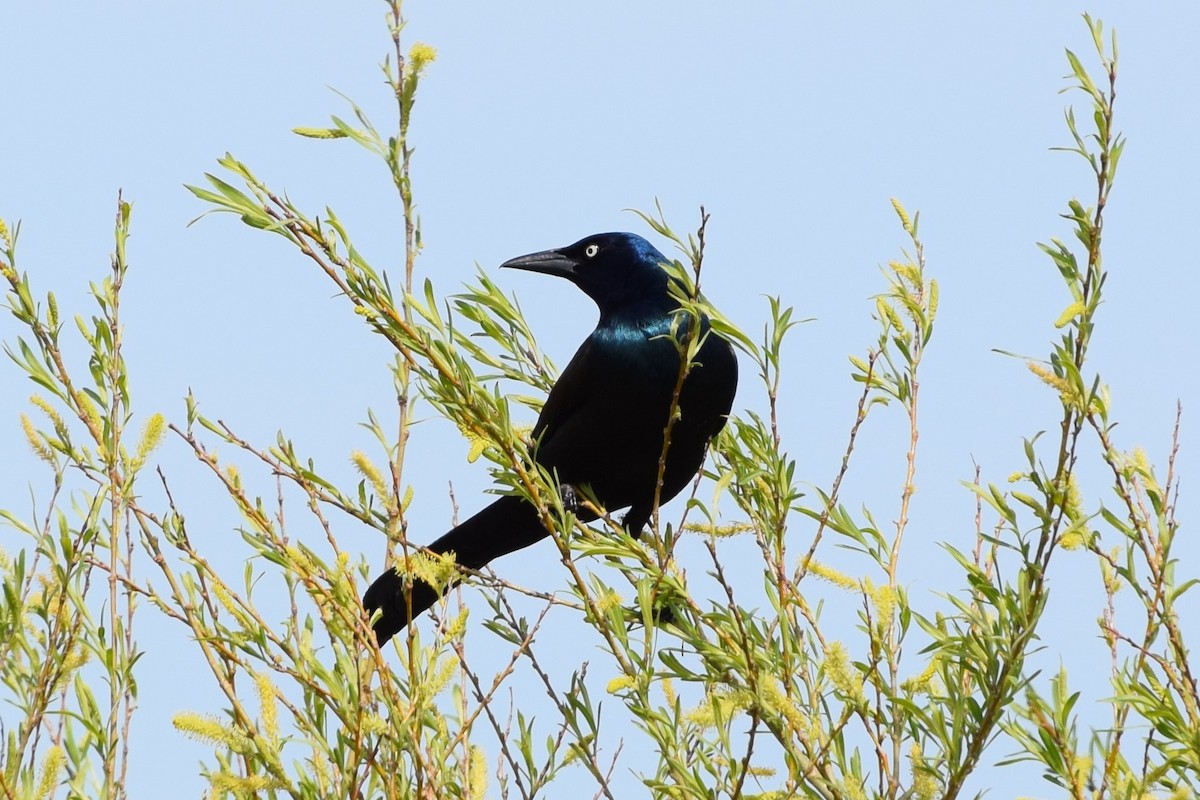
<point x="620" y="271"/>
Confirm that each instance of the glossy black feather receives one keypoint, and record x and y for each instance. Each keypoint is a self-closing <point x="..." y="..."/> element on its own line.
<point x="603" y="422"/>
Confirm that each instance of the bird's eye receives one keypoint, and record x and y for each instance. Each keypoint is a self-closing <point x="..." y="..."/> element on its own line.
<point x="591" y="250"/>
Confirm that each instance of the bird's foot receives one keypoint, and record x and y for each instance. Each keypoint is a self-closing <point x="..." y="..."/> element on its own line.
<point x="570" y="498"/>
<point x="661" y="615"/>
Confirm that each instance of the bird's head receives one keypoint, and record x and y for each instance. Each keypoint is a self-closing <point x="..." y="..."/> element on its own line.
<point x="620" y="271"/>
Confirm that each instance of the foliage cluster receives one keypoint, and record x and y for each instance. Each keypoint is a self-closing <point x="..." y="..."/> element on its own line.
<point x="734" y="703"/>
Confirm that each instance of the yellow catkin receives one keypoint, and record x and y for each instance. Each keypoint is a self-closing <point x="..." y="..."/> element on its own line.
<point x="152" y="435"/>
<point x="1073" y="539"/>
<point x="46" y="408"/>
<point x="458" y="626"/>
<point x="208" y="729"/>
<point x="1074" y="500"/>
<point x="320" y="133"/>
<point x="1069" y="314"/>
<point x="722" y="531"/>
<point x="608" y="601"/>
<point x="243" y="785"/>
<point x="375" y="725"/>
<point x="1081" y="768"/>
<point x="421" y="55"/>
<point x="886" y="600"/>
<point x="774" y="699"/>
<point x="221" y="591"/>
<point x="268" y="706"/>
<point x="442" y="675"/>
<point x="719" y="703"/>
<point x="88" y="409"/>
<point x="52" y="765"/>
<point x="1066" y="392"/>
<point x="842" y="673"/>
<point x="668" y="690"/>
<point x="439" y="569"/>
<point x="924" y="782"/>
<point x="477" y="773"/>
<point x="853" y="791"/>
<point x="904" y="220"/>
<point x="830" y="574"/>
<point x="619" y="684"/>
<point x="298" y="557"/>
<point x="920" y="684"/>
<point x="76" y="659"/>
<point x="371" y="473"/>
<point x="35" y="440"/>
<point x="1112" y="581"/>
<point x="476" y="443"/>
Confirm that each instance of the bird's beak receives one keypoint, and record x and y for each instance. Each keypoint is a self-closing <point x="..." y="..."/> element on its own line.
<point x="550" y="262"/>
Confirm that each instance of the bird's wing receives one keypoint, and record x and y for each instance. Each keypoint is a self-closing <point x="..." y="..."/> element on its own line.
<point x="569" y="392"/>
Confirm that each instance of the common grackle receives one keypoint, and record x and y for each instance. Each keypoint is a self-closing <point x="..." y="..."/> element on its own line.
<point x="603" y="423"/>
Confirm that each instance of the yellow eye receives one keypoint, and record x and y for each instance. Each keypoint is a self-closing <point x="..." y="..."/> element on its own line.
<point x="591" y="250"/>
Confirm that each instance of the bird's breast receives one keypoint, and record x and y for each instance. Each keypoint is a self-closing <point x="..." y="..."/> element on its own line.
<point x="648" y="342"/>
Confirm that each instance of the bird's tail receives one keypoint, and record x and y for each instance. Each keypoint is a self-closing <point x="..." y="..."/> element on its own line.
<point x="506" y="525"/>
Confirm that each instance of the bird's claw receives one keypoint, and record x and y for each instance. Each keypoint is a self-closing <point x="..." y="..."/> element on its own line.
<point x="570" y="498"/>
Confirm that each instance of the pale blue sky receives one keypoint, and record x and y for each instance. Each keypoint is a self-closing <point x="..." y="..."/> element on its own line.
<point x="539" y="123"/>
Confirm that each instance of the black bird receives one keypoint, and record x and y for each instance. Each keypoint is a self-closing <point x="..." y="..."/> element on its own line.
<point x="602" y="425"/>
